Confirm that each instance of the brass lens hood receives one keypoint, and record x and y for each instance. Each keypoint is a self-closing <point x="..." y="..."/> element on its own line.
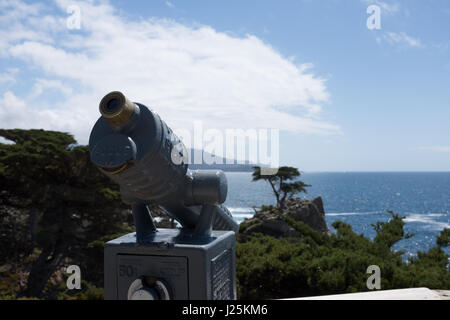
<point x="116" y="108"/>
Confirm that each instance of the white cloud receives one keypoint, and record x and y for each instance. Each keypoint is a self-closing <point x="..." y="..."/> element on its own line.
<point x="185" y="73"/>
<point x="6" y="141"/>
<point x="385" y="7"/>
<point x="18" y="113"/>
<point x="13" y="110"/>
<point x="41" y="85"/>
<point x="9" y="76"/>
<point x="169" y="4"/>
<point x="401" y="39"/>
<point x="435" y="148"/>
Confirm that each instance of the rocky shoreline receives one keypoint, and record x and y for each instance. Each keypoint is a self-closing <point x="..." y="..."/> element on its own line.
<point x="271" y="221"/>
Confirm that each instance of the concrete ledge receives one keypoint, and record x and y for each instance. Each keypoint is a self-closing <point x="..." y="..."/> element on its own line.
<point x="398" y="294"/>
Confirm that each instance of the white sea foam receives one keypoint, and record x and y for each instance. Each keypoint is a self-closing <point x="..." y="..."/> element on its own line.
<point x="241" y="210"/>
<point x="343" y="214"/>
<point x="240" y="213"/>
<point x="336" y="214"/>
<point x="242" y="216"/>
<point x="434" y="214"/>
<point x="426" y="218"/>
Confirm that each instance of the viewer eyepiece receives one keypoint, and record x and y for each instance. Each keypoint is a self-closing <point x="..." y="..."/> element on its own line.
<point x="116" y="108"/>
<point x="112" y="104"/>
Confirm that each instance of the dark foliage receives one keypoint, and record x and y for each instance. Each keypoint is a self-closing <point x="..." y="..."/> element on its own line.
<point x="319" y="264"/>
<point x="54" y="204"/>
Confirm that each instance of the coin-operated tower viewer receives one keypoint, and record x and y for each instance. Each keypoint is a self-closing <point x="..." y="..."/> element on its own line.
<point x="132" y="145"/>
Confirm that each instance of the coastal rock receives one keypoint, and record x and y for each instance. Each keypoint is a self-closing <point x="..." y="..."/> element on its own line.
<point x="270" y="221"/>
<point x="310" y="212"/>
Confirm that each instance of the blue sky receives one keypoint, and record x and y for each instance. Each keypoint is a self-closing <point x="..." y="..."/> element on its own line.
<point x="345" y="98"/>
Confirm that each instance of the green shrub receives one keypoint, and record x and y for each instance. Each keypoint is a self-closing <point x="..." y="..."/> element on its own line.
<point x="87" y="292"/>
<point x="318" y="264"/>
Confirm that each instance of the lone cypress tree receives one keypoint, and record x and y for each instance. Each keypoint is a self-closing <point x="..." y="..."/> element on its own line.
<point x="284" y="184"/>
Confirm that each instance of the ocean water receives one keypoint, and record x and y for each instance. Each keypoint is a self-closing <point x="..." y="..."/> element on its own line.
<point x="361" y="199"/>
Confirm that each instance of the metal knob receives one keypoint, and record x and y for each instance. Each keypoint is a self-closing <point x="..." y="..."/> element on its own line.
<point x="148" y="288"/>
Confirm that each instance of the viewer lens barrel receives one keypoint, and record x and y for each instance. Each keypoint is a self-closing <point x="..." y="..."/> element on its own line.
<point x="116" y="108"/>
